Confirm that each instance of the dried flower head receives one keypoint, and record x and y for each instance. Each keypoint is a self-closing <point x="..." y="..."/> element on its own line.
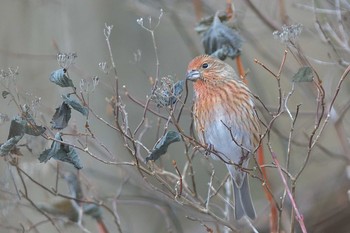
<point x="288" y="33"/>
<point x="65" y="60"/>
<point x="88" y="85"/>
<point x="9" y="74"/>
<point x="167" y="92"/>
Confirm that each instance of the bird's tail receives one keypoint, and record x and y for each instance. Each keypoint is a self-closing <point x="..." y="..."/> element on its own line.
<point x="243" y="200"/>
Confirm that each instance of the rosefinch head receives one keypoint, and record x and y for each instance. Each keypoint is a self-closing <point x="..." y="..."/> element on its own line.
<point x="224" y="118"/>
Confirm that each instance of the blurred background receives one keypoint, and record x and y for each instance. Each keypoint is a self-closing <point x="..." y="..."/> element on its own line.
<point x="33" y="32"/>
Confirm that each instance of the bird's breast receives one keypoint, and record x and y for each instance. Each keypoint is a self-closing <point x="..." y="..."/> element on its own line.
<point x="224" y="113"/>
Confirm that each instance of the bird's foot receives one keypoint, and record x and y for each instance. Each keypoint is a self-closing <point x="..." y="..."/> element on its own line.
<point x="209" y="149"/>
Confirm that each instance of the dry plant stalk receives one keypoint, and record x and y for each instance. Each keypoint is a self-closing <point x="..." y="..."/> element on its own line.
<point x="177" y="186"/>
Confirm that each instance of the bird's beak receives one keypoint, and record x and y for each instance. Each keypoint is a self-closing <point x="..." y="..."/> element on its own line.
<point x="193" y="75"/>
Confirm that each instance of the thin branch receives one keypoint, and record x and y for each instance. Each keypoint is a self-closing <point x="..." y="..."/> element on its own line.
<point x="298" y="216"/>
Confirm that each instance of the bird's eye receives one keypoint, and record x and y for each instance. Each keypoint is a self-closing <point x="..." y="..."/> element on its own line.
<point x="205" y="65"/>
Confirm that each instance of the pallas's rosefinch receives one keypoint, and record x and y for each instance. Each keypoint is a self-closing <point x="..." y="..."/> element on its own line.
<point x="225" y="119"/>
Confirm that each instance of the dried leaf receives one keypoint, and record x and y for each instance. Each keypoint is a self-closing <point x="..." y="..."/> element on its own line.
<point x="5" y="94"/>
<point x="34" y="130"/>
<point x="221" y="41"/>
<point x="69" y="157"/>
<point x="61" y="78"/>
<point x="176" y="90"/>
<point x="178" y="87"/>
<point x="161" y="146"/>
<point x="29" y="124"/>
<point x="61" y="117"/>
<point x="61" y="152"/>
<point x="76" y="105"/>
<point x="55" y="147"/>
<point x="207" y="21"/>
<point x="304" y="74"/>
<point x="10" y="144"/>
<point x="18" y="128"/>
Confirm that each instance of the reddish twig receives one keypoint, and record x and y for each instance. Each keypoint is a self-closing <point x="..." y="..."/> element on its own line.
<point x="283" y="12"/>
<point x="240" y="69"/>
<point x="268" y="194"/>
<point x="261" y="157"/>
<point x="101" y="226"/>
<point x="298" y="216"/>
<point x="229" y="10"/>
<point x="197" y="4"/>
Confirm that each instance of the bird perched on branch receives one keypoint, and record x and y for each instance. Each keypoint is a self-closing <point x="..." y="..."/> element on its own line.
<point x="225" y="120"/>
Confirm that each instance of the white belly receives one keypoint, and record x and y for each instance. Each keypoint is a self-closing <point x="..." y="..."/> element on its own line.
<point x="228" y="143"/>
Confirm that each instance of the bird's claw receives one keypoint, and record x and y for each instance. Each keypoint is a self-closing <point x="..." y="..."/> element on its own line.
<point x="209" y="149"/>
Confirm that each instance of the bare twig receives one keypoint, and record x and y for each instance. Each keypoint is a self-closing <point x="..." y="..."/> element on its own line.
<point x="299" y="217"/>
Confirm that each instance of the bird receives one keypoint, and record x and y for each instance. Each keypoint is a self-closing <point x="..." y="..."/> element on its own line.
<point x="226" y="121"/>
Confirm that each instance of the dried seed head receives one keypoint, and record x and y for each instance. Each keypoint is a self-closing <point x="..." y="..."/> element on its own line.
<point x="167" y="92"/>
<point x="288" y="33"/>
<point x="65" y="60"/>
